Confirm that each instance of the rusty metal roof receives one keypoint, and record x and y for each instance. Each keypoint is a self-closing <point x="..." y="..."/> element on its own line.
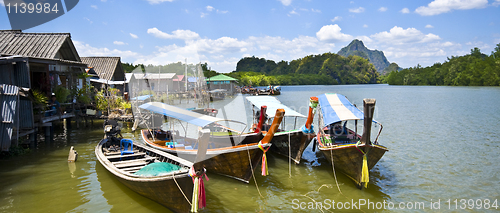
<point x="105" y="67"/>
<point x="40" y="45"/>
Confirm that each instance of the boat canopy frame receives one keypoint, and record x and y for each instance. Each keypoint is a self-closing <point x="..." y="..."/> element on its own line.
<point x="272" y="104"/>
<point x="188" y="116"/>
<point x="335" y="108"/>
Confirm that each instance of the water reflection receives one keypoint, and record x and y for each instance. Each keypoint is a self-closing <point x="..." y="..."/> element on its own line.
<point x="441" y="139"/>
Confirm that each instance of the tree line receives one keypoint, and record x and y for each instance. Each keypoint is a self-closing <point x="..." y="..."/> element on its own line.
<point x="325" y="69"/>
<point x="474" y="69"/>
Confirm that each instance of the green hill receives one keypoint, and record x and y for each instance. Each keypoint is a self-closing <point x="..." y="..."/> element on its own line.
<point x="327" y="68"/>
<point x="356" y="47"/>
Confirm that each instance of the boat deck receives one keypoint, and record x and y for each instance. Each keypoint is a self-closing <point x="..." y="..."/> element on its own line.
<point x="130" y="163"/>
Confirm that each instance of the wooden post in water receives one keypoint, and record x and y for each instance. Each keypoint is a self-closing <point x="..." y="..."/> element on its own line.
<point x="368" y="109"/>
<point x="202" y="149"/>
<point x="73" y="155"/>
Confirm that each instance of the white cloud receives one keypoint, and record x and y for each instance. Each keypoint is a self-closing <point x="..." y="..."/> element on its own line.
<point x="357" y="10"/>
<point x="158" y="1"/>
<point x="293" y="12"/>
<point x="119" y="43"/>
<point x="285" y="2"/>
<point x="319" y="11"/>
<point x="382" y="9"/>
<point x="365" y="25"/>
<point x="211" y="9"/>
<point x="88" y="20"/>
<point x="1" y="3"/>
<point x="429" y="26"/>
<point x="365" y="39"/>
<point x="496" y="3"/>
<point x="405" y="10"/>
<point x="443" y="6"/>
<point x="177" y="34"/>
<point x="133" y="35"/>
<point x="337" y="18"/>
<point x="94" y="6"/>
<point x="399" y="36"/>
<point x="220" y="45"/>
<point x="87" y="50"/>
<point x="332" y="33"/>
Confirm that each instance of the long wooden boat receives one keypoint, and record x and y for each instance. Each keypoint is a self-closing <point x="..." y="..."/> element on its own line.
<point x="288" y="143"/>
<point x="235" y="156"/>
<point x="346" y="150"/>
<point x="171" y="189"/>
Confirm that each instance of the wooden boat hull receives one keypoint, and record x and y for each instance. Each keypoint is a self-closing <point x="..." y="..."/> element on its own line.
<point x="161" y="189"/>
<point x="348" y="159"/>
<point x="237" y="161"/>
<point x="298" y="141"/>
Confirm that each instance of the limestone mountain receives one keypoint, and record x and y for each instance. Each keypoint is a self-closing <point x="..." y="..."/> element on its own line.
<point x="356" y="47"/>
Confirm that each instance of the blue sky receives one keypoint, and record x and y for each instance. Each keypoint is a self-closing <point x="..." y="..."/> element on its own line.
<point x="222" y="32"/>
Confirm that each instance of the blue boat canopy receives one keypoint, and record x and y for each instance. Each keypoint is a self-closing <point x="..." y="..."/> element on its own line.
<point x="272" y="104"/>
<point x="141" y="98"/>
<point x="181" y="114"/>
<point x="335" y="107"/>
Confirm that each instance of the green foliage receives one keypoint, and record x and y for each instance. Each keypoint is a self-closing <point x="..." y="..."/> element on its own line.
<point x="14" y="151"/>
<point x="146" y="92"/>
<point x="40" y="98"/>
<point x="207" y="72"/>
<point x="110" y="98"/>
<point x="62" y="93"/>
<point x="101" y="102"/>
<point x="326" y="69"/>
<point x="84" y="94"/>
<point x="474" y="69"/>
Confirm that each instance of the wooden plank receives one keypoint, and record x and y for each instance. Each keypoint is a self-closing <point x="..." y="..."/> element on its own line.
<point x="115" y="156"/>
<point x="123" y="165"/>
<point x="117" y="153"/>
<point x="136" y="160"/>
<point x="133" y="168"/>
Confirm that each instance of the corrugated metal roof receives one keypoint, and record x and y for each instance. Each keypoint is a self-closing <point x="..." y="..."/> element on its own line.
<point x="8" y="109"/>
<point x="221" y="77"/>
<point x="153" y="76"/>
<point x="128" y="76"/>
<point x="40" y="45"/>
<point x="105" y="67"/>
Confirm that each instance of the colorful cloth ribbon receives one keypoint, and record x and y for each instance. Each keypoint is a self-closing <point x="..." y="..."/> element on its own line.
<point x="365" y="177"/>
<point x="264" y="169"/>
<point x="199" y="199"/>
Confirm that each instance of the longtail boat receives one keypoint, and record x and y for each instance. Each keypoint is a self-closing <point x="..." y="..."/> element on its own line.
<point x="152" y="173"/>
<point x="344" y="148"/>
<point x="230" y="154"/>
<point x="288" y="143"/>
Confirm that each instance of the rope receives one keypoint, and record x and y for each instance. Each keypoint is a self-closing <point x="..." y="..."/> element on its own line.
<point x="199" y="198"/>
<point x="181" y="189"/>
<point x="289" y="158"/>
<point x="265" y="170"/>
<point x="334" y="175"/>
<point x="253" y="175"/>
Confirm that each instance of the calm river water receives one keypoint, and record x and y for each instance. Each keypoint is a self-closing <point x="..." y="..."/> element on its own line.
<point x="444" y="145"/>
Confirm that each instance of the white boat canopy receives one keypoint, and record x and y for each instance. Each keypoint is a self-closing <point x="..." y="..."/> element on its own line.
<point x="273" y="104"/>
<point x="180" y="114"/>
<point x="335" y="107"/>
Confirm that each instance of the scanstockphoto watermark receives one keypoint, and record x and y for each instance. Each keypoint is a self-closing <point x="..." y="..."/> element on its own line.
<point x="439" y="204"/>
<point x="328" y="204"/>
